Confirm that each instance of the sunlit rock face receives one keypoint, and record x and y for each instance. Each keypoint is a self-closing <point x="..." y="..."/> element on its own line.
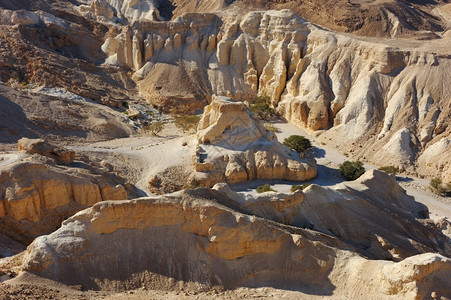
<point x="202" y="239"/>
<point x="386" y="105"/>
<point x="233" y="147"/>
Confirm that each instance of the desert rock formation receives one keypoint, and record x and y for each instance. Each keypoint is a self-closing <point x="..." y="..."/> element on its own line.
<point x="359" y="90"/>
<point x="41" y="147"/>
<point x="389" y="100"/>
<point x="372" y="215"/>
<point x="235" y="147"/>
<point x="37" y="193"/>
<point x="58" y="116"/>
<point x="196" y="236"/>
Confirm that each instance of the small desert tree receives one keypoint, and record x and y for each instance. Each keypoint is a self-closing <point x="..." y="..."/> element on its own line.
<point x="155" y="127"/>
<point x="351" y="170"/>
<point x="389" y="169"/>
<point x="261" y="108"/>
<point x="271" y="128"/>
<point x="438" y="187"/>
<point x="298" y="143"/>
<point x="187" y="122"/>
<point x="264" y="188"/>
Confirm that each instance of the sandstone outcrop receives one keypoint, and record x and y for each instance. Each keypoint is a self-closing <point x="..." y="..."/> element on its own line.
<point x="36" y="195"/>
<point x="235" y="147"/>
<point x="361" y="91"/>
<point x="361" y="214"/>
<point x="194" y="238"/>
<point x="115" y="10"/>
<point x="42" y="147"/>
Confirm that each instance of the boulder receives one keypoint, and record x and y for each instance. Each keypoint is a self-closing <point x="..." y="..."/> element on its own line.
<point x="42" y="147"/>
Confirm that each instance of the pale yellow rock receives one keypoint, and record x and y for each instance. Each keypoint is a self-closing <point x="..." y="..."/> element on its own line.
<point x="37" y="196"/>
<point x="235" y="147"/>
<point x="188" y="236"/>
<point x="101" y="8"/>
<point x="42" y="147"/>
<point x="359" y="93"/>
<point x="137" y="45"/>
<point x="117" y="192"/>
<point x="177" y="40"/>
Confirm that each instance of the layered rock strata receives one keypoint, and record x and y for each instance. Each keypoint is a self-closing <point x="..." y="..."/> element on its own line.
<point x="388" y="104"/>
<point x="193" y="239"/>
<point x="359" y="213"/>
<point x="235" y="147"/>
<point x="36" y="194"/>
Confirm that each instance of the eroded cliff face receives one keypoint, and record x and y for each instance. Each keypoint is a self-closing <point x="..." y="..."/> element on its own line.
<point x="359" y="213"/>
<point x="37" y="194"/>
<point x="200" y="239"/>
<point x="386" y="104"/>
<point x="233" y="146"/>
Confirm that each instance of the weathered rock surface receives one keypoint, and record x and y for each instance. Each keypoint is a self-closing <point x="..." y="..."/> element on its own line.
<point x="378" y="98"/>
<point x="36" y="195"/>
<point x="42" y="147"/>
<point x="190" y="237"/>
<point x="235" y="147"/>
<point x="386" y="104"/>
<point x="58" y="119"/>
<point x="114" y="10"/>
<point x="408" y="19"/>
<point x="359" y="213"/>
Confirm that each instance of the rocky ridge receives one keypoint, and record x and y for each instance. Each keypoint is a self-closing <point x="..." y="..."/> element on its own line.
<point x="201" y="237"/>
<point x="39" y="191"/>
<point x="372" y="227"/>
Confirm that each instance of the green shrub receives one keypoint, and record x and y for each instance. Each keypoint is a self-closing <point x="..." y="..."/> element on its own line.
<point x="187" y="122"/>
<point x="389" y="169"/>
<point x="351" y="170"/>
<point x="299" y="187"/>
<point x="271" y="128"/>
<point x="264" y="188"/>
<point x="438" y="187"/>
<point x="155" y="127"/>
<point x="435" y="183"/>
<point x="298" y="143"/>
<point x="261" y="108"/>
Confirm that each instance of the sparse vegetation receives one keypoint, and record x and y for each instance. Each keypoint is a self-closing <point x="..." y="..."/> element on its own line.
<point x="191" y="185"/>
<point x="261" y="108"/>
<point x="299" y="187"/>
<point x="351" y="170"/>
<point x="265" y="188"/>
<point x="187" y="122"/>
<point x="298" y="143"/>
<point x="438" y="187"/>
<point x="390" y="169"/>
<point x="155" y="127"/>
<point x="271" y="128"/>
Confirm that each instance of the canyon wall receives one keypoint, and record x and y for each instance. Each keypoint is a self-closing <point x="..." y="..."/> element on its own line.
<point x="386" y="104"/>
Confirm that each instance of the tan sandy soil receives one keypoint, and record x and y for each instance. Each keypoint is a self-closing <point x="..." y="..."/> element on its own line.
<point x="140" y="157"/>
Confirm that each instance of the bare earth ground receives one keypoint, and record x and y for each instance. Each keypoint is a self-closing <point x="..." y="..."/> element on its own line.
<point x="28" y="286"/>
<point x="137" y="158"/>
<point x="141" y="156"/>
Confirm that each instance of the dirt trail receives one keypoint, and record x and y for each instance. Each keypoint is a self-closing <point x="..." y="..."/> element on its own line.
<point x="8" y="158"/>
